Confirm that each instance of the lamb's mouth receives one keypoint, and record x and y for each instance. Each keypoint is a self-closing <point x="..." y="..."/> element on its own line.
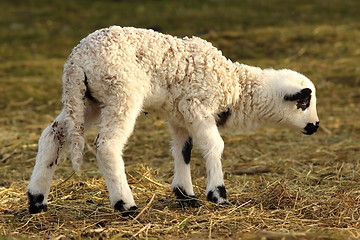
<point x="311" y="128"/>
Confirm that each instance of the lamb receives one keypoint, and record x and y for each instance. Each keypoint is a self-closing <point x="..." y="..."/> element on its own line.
<point x="115" y="73"/>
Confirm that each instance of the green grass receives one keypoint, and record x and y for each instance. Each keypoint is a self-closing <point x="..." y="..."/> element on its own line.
<point x="311" y="190"/>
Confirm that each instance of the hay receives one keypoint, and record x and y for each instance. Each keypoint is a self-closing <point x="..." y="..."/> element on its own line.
<point x="281" y="185"/>
<point x="78" y="206"/>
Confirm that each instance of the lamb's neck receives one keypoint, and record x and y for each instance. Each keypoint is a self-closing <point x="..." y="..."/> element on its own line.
<point x="249" y="110"/>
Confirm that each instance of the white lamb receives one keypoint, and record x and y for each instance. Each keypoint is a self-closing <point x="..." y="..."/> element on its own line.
<point x="115" y="73"/>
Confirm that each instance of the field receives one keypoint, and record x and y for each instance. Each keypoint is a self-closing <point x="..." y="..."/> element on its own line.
<point x="281" y="184"/>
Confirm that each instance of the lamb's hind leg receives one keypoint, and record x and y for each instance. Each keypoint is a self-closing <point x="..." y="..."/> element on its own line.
<point x="50" y="148"/>
<point x="52" y="145"/>
<point x="117" y="123"/>
<point x="181" y="146"/>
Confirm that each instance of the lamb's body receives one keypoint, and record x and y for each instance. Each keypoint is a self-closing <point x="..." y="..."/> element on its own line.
<point x="115" y="73"/>
<point x="163" y="69"/>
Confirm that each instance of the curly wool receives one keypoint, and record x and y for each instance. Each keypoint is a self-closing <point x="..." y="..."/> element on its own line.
<point x="115" y="73"/>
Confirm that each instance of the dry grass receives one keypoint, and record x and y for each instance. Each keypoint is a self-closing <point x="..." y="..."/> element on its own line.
<point x="309" y="191"/>
<point x="281" y="185"/>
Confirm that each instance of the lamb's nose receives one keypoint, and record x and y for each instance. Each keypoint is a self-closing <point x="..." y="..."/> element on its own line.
<point x="311" y="128"/>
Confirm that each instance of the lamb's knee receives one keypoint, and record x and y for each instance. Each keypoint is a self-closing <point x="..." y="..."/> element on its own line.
<point x="107" y="149"/>
<point x="212" y="149"/>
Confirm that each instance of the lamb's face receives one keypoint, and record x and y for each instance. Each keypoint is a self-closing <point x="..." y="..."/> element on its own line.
<point x="295" y="101"/>
<point x="302" y="110"/>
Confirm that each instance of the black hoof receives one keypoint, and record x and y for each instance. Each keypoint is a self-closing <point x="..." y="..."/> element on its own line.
<point x="218" y="195"/>
<point x="35" y="203"/>
<point x="225" y="204"/>
<point x="131" y="212"/>
<point x="184" y="199"/>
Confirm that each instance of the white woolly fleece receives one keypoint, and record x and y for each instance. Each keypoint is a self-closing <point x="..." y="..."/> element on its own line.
<point x="115" y="73"/>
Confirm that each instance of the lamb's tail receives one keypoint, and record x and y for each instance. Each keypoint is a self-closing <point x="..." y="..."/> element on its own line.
<point x="74" y="89"/>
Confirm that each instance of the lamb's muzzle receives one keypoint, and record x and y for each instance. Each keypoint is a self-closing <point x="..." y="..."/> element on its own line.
<point x="311" y="128"/>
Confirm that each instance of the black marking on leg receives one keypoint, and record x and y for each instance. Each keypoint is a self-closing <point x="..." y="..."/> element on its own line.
<point x="185" y="199"/>
<point x="186" y="151"/>
<point x="210" y="197"/>
<point x="55" y="124"/>
<point x="59" y="136"/>
<point x="223" y="117"/>
<point x="96" y="141"/>
<point x="221" y="192"/>
<point x="51" y="165"/>
<point x="35" y="203"/>
<point x="119" y="205"/>
<point x="131" y="212"/>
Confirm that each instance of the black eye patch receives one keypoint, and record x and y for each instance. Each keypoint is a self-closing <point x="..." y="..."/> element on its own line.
<point x="302" y="98"/>
<point x="303" y="103"/>
<point x="302" y="95"/>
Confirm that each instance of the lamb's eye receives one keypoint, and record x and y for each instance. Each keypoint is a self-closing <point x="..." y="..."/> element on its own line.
<point x="303" y="103"/>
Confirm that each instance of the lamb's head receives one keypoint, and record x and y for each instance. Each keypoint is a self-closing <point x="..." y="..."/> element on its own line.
<point x="294" y="100"/>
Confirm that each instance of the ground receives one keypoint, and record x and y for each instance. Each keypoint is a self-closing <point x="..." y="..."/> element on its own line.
<point x="281" y="184"/>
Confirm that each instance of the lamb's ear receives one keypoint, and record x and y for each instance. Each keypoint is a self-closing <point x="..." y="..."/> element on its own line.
<point x="304" y="93"/>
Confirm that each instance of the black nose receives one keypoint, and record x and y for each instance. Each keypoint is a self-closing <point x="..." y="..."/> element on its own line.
<point x="311" y="128"/>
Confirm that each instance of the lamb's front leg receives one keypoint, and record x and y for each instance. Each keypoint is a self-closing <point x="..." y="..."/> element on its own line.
<point x="181" y="146"/>
<point x="207" y="137"/>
